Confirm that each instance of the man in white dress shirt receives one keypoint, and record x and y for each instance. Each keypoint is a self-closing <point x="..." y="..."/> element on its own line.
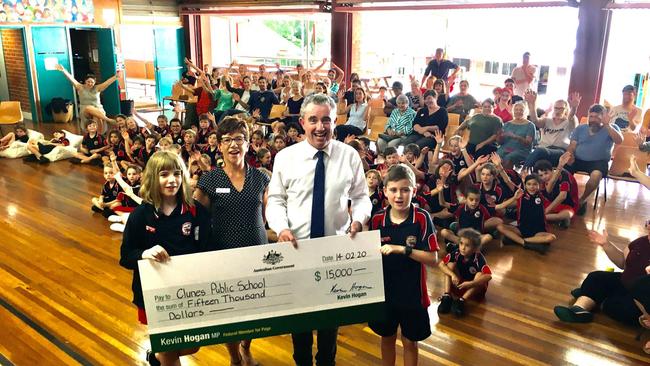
<point x="312" y="183"/>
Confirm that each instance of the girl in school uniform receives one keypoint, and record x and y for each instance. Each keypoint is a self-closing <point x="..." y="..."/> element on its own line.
<point x="167" y="223"/>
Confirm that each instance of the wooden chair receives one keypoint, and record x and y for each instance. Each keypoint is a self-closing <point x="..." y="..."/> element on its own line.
<point x="377" y="112"/>
<point x="277" y="111"/>
<point x="584" y="120"/>
<point x="10" y="114"/>
<point x="454" y="119"/>
<point x="377" y="125"/>
<point x="341" y="119"/>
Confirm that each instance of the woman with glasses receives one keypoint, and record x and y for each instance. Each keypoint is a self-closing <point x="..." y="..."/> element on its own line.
<point x="236" y="196"/>
<point x="556" y="131"/>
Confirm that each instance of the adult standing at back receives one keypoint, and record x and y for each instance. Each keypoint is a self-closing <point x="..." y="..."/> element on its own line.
<point x="523" y="75"/>
<point x="439" y="67"/>
<point x="312" y="180"/>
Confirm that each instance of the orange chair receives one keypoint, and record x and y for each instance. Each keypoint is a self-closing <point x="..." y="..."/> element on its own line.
<point x="10" y="114"/>
<point x="454" y="119"/>
<point x="277" y="111"/>
<point x="377" y="125"/>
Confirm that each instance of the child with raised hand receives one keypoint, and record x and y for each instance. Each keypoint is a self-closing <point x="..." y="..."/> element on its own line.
<point x="116" y="146"/>
<point x="471" y="215"/>
<point x="92" y="145"/>
<point x="161" y="129"/>
<point x="443" y="184"/>
<point x="531" y="231"/>
<point x="408" y="243"/>
<point x="466" y="274"/>
<point x="149" y="149"/>
<point x="559" y="186"/>
<point x="39" y="149"/>
<point x="457" y="153"/>
<point x="108" y="197"/>
<point x="391" y="157"/>
<point x="127" y="198"/>
<point x="166" y="224"/>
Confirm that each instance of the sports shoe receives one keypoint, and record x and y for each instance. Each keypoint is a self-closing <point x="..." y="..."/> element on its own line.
<point x="454" y="226"/>
<point x="450" y="247"/>
<point x="151" y="359"/>
<point x="574" y="314"/>
<point x="96" y="209"/>
<point x="582" y="210"/>
<point x="107" y="212"/>
<point x="117" y="227"/>
<point x="43" y="160"/>
<point x="458" y="307"/>
<point x="115" y="218"/>
<point x="539" y="248"/>
<point x="576" y="292"/>
<point x="75" y="160"/>
<point x="30" y="159"/>
<point x="445" y="304"/>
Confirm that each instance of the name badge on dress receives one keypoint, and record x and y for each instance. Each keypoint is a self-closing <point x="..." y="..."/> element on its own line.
<point x="223" y="190"/>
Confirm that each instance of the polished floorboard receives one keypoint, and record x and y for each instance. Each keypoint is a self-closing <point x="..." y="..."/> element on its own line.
<point x="66" y="301"/>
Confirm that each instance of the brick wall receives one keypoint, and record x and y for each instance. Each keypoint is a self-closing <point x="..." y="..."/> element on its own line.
<point x="356" y="42"/>
<point x="12" y="44"/>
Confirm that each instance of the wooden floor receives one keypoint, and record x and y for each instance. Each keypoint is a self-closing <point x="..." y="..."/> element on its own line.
<point x="65" y="300"/>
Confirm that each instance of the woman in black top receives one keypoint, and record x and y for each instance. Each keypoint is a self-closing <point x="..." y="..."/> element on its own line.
<point x="427" y="120"/>
<point x="293" y="101"/>
<point x="236" y="195"/>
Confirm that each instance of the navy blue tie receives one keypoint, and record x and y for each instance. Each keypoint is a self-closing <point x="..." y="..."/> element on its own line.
<point x="318" y="199"/>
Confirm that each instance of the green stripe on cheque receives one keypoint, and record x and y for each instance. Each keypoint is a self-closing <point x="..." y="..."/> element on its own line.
<point x="259" y="291"/>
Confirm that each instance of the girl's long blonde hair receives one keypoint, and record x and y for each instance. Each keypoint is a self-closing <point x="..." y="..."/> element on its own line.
<point x="150" y="189"/>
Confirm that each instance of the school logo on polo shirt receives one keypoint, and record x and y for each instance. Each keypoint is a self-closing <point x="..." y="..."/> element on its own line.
<point x="491" y="199"/>
<point x="411" y="240"/>
<point x="462" y="162"/>
<point x="538" y="201"/>
<point x="472" y="270"/>
<point x="375" y="201"/>
<point x="477" y="214"/>
<point x="150" y="229"/>
<point x="186" y="229"/>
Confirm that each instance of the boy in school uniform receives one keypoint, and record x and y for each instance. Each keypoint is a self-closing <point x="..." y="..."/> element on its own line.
<point x="471" y="215"/>
<point x="110" y="190"/>
<point x="408" y="243"/>
<point x="466" y="274"/>
<point x="92" y="146"/>
<point x="559" y="186"/>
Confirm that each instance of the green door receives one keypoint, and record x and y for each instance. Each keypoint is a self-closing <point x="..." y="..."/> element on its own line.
<point x="108" y="67"/>
<point x="169" y="54"/>
<point x="51" y="47"/>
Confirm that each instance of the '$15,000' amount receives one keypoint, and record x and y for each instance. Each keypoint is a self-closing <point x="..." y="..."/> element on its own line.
<point x="332" y="274"/>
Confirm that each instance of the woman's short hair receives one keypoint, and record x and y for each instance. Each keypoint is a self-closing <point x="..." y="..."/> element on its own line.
<point x="402" y="99"/>
<point x="523" y="105"/>
<point x="432" y="93"/>
<point x="230" y="125"/>
<point x="488" y="101"/>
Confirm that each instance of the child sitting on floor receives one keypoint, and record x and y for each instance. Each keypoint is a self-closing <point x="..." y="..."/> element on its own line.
<point x="531" y="231"/>
<point x="471" y="215"/>
<point x="92" y="146"/>
<point x="373" y="180"/>
<point x="108" y="198"/>
<point x="466" y="274"/>
<point x="559" y="186"/>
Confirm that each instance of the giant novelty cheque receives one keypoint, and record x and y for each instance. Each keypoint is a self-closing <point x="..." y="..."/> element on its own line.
<point x="260" y="291"/>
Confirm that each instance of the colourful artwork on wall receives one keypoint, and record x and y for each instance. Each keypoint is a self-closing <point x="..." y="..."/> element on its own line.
<point x="47" y="11"/>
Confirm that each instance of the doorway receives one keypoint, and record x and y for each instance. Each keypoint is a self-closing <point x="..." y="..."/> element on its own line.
<point x="15" y="80"/>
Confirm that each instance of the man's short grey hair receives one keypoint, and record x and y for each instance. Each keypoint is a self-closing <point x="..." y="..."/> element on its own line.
<point x="318" y="99"/>
<point x="402" y="98"/>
